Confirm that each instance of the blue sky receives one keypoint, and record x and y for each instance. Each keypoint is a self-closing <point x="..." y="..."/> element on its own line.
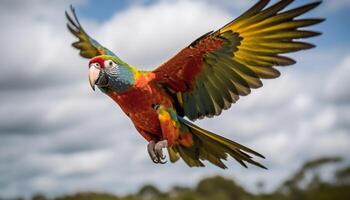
<point x="57" y="136"/>
<point x="336" y="23"/>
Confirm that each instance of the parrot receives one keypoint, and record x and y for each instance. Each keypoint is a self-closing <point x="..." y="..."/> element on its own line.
<point x="200" y="81"/>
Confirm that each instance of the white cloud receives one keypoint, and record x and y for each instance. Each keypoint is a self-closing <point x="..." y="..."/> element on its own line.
<point x="325" y="119"/>
<point x="337" y="88"/>
<point x="145" y="37"/>
<point x="81" y="162"/>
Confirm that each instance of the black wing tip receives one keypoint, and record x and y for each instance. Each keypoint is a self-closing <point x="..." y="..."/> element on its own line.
<point x="261" y="3"/>
<point x="71" y="9"/>
<point x="72" y="17"/>
<point x="314" y="4"/>
<point x="223" y="166"/>
<point x="254" y="153"/>
<point x="261" y="156"/>
<point x="318" y="2"/>
<point x="316" y="20"/>
<point x="252" y="162"/>
<point x="259" y="165"/>
<point x="312" y="45"/>
<point x="263" y="167"/>
<point x="304" y="8"/>
<point x="322" y="20"/>
<point x="316" y="34"/>
<point x="307" y="46"/>
<point x="244" y="165"/>
<point x="250" y="151"/>
<point x="280" y="4"/>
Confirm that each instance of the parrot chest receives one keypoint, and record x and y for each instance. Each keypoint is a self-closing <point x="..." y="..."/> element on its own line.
<point x="137" y="104"/>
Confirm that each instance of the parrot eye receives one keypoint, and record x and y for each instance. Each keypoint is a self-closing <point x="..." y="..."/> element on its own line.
<point x="155" y="106"/>
<point x="109" y="63"/>
<point x="97" y="65"/>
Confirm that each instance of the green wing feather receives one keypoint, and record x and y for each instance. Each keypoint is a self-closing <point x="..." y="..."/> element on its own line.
<point x="251" y="48"/>
<point x="88" y="47"/>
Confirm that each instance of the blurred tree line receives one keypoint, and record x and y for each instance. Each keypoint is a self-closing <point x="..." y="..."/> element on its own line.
<point x="305" y="184"/>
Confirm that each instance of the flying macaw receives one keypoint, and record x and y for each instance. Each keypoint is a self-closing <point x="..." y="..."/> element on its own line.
<point x="202" y="80"/>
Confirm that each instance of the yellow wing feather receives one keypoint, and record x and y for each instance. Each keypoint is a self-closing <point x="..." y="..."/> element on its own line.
<point x="269" y="32"/>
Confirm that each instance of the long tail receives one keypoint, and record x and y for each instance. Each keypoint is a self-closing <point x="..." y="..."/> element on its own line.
<point x="211" y="147"/>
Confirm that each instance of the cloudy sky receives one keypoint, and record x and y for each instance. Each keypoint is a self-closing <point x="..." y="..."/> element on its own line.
<point x="58" y="136"/>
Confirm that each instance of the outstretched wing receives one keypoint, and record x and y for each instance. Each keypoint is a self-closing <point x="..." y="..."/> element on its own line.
<point x="88" y="47"/>
<point x="219" y="67"/>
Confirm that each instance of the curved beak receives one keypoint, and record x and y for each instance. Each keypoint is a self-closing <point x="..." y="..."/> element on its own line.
<point x="94" y="73"/>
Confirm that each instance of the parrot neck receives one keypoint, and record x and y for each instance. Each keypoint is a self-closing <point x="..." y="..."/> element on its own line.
<point x="123" y="79"/>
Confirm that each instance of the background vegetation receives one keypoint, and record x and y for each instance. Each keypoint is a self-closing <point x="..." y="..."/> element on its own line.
<point x="305" y="184"/>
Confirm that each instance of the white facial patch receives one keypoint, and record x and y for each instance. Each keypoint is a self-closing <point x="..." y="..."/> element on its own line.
<point x="111" y="68"/>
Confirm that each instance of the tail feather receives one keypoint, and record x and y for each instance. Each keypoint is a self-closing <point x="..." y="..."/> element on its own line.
<point x="173" y="156"/>
<point x="231" y="144"/>
<point x="189" y="156"/>
<point x="207" y="155"/>
<point x="213" y="148"/>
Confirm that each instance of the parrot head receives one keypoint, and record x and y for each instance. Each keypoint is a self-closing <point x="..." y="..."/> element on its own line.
<point x="111" y="73"/>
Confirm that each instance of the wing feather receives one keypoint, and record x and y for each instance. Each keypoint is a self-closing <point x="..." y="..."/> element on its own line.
<point x="87" y="46"/>
<point x="231" y="61"/>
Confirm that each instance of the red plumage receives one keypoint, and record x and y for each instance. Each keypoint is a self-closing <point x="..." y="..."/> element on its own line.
<point x="137" y="104"/>
<point x="202" y="80"/>
<point x="181" y="71"/>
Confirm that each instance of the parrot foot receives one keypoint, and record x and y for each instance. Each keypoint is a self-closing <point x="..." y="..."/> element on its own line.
<point x="150" y="149"/>
<point x="159" y="150"/>
<point x="155" y="151"/>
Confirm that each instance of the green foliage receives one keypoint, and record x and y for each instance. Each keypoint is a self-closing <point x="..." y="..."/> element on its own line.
<point x="220" y="188"/>
<point x="39" y="197"/>
<point x="343" y="174"/>
<point x="88" y="196"/>
<point x="314" y="164"/>
<point x="291" y="185"/>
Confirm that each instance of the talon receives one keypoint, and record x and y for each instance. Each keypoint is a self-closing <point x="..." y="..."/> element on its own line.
<point x="156" y="161"/>
<point x="158" y="148"/>
<point x="151" y="152"/>
<point x="155" y="151"/>
<point x="162" y="162"/>
<point x="161" y="158"/>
